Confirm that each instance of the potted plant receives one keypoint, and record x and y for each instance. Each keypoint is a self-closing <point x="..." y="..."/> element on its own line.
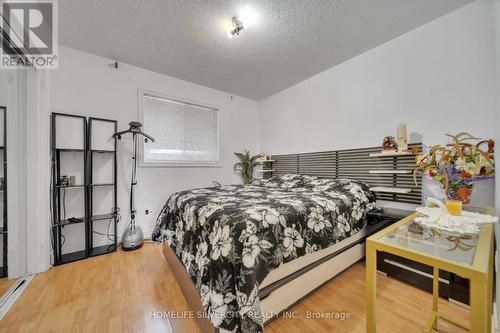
<point x="246" y="165"/>
<point x="458" y="165"/>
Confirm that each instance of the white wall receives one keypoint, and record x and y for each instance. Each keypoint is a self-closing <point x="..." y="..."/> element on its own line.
<point x="497" y="71"/>
<point x="437" y="79"/>
<point x="497" y="135"/>
<point x="88" y="85"/>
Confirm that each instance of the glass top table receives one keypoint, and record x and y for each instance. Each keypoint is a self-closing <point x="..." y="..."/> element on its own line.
<point x="438" y="243"/>
<point x="467" y="255"/>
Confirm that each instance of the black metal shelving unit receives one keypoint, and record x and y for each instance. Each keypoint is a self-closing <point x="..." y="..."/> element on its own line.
<point x="3" y="192"/>
<point x="59" y="221"/>
<point x="110" y="217"/>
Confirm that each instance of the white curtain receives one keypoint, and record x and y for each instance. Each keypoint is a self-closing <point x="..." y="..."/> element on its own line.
<point x="25" y="94"/>
<point x="13" y="96"/>
<point x="38" y="171"/>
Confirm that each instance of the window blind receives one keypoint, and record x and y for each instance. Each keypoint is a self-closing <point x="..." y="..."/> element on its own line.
<point x="183" y="132"/>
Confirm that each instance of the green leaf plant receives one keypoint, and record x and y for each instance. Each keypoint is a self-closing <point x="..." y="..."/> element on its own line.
<point x="246" y="165"/>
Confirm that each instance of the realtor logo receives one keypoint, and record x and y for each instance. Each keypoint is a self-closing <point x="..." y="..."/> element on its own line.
<point x="29" y="34"/>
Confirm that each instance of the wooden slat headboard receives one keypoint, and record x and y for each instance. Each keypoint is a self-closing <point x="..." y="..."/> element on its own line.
<point x="355" y="164"/>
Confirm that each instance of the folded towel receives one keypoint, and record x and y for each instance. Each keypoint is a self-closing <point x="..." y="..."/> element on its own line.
<point x="439" y="218"/>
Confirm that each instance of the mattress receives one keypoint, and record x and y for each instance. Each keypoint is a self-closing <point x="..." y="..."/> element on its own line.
<point x="256" y="228"/>
<point x="301" y="262"/>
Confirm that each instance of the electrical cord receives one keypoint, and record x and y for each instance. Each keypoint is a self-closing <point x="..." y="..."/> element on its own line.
<point x="64" y="203"/>
<point x="64" y="216"/>
<point x="117" y="213"/>
<point x="107" y="234"/>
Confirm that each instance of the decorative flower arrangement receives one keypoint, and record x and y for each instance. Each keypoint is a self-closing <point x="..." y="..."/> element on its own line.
<point x="458" y="165"/>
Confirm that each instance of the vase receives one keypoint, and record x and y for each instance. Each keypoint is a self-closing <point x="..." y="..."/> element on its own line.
<point x="482" y="193"/>
<point x="460" y="194"/>
<point x="432" y="188"/>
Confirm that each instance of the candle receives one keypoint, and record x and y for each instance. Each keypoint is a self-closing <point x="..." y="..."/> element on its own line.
<point x="402" y="138"/>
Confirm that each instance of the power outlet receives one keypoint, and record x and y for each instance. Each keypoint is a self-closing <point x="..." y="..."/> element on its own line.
<point x="148" y="211"/>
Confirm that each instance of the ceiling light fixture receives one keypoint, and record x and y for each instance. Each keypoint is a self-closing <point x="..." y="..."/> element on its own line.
<point x="237" y="27"/>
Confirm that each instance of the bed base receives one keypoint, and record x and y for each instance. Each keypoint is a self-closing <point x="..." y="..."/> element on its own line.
<point x="284" y="293"/>
<point x="188" y="289"/>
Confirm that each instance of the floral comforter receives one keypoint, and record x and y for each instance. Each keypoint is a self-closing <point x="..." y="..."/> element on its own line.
<point x="229" y="238"/>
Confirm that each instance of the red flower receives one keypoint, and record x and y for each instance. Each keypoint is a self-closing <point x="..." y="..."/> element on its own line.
<point x="464" y="194"/>
<point x="466" y="174"/>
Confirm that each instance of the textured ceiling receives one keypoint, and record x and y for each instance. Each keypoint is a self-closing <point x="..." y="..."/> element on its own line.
<point x="290" y="41"/>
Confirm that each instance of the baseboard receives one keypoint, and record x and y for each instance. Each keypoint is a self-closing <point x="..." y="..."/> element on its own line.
<point x="494" y="321"/>
<point x="104" y="241"/>
<point x="13" y="293"/>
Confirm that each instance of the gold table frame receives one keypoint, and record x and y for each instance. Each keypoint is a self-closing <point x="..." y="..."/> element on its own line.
<point x="480" y="274"/>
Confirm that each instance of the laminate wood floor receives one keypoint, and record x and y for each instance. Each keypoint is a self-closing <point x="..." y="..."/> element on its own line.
<point x="117" y="293"/>
<point x="5" y="284"/>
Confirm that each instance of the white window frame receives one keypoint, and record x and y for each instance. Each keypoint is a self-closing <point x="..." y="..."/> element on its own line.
<point x="172" y="164"/>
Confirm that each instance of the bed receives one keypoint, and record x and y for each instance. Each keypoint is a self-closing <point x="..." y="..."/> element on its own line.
<point x="242" y="254"/>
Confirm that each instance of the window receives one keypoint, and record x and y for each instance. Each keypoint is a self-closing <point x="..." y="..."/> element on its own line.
<point x="185" y="133"/>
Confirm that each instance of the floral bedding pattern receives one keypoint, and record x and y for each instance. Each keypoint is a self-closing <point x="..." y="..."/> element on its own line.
<point x="229" y="238"/>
